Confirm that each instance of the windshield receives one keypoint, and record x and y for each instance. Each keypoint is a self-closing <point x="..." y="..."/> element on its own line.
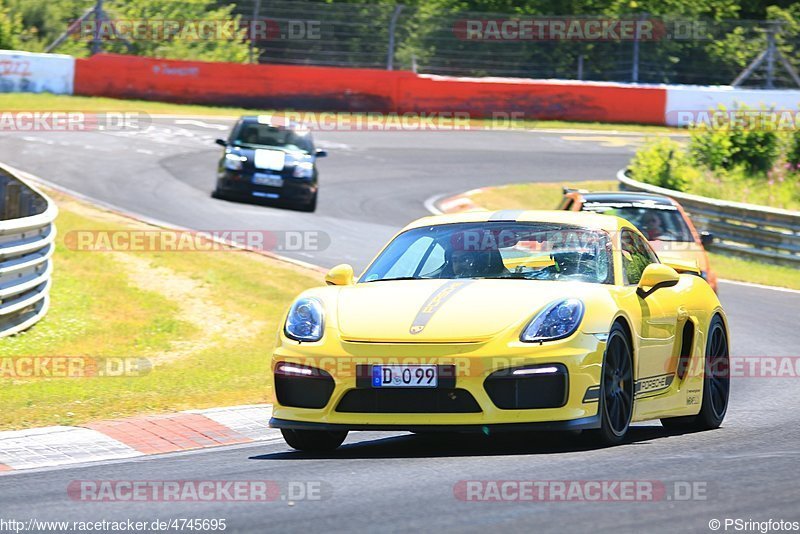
<point x="261" y="135"/>
<point x="501" y="250"/>
<point x="658" y="222"/>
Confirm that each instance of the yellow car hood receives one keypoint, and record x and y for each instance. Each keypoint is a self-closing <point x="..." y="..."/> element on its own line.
<point x="438" y="311"/>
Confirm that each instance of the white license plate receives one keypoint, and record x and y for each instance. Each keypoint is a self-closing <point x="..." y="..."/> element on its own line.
<point x="404" y="376"/>
<point x="267" y="179"/>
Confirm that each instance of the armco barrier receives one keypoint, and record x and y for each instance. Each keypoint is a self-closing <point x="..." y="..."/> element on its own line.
<point x="745" y="229"/>
<point x="363" y="90"/>
<point x="26" y="72"/>
<point x="27" y="242"/>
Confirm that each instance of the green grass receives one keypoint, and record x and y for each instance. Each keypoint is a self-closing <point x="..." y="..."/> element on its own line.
<point x="99" y="310"/>
<point x="49" y="102"/>
<point x="667" y="163"/>
<point x="734" y="268"/>
<point x="538" y="196"/>
<point x="533" y="196"/>
<point x="738" y="187"/>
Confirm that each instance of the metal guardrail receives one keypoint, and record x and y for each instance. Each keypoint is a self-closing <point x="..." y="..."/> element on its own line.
<point x="27" y="242"/>
<point x="758" y="232"/>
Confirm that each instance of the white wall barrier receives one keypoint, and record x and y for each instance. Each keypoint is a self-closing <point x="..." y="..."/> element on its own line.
<point x="26" y="72"/>
<point x="690" y="102"/>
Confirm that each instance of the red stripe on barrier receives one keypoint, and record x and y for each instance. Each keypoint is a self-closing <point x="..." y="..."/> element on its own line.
<point x="543" y="100"/>
<point x="343" y="89"/>
<point x="4" y="467"/>
<point x="264" y="86"/>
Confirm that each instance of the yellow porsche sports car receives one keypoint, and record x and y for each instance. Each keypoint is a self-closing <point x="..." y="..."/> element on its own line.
<point x="492" y="321"/>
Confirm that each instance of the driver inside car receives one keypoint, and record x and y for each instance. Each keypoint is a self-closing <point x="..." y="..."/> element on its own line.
<point x="476" y="263"/>
<point x="651" y="226"/>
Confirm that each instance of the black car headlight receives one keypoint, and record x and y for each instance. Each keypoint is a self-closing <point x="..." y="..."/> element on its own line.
<point x="234" y="162"/>
<point x="556" y="321"/>
<point x="303" y="169"/>
<point x="305" y="320"/>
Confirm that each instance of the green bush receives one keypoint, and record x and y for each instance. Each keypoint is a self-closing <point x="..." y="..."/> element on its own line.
<point x="10" y="27"/>
<point x="730" y="162"/>
<point x="711" y="147"/>
<point x="793" y="150"/>
<point x="661" y="162"/>
<point x="755" y="149"/>
<point x="735" y="143"/>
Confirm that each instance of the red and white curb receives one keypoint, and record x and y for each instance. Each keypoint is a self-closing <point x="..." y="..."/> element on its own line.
<point x="135" y="436"/>
<point x="455" y="204"/>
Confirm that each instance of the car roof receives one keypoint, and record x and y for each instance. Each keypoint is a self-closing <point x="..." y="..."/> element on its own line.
<point x="272" y="120"/>
<point x="595" y="221"/>
<point x="625" y="196"/>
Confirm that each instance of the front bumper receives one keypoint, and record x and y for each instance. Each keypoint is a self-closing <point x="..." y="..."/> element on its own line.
<point x="584" y="423"/>
<point x="581" y="357"/>
<point x="240" y="185"/>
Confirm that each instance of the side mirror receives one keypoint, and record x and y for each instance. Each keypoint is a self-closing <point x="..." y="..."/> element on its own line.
<point x="321" y="153"/>
<point x="221" y="142"/>
<point x="656" y="276"/>
<point x="341" y="275"/>
<point x="706" y="238"/>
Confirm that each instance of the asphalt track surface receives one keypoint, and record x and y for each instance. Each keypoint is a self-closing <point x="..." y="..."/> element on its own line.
<point x="371" y="185"/>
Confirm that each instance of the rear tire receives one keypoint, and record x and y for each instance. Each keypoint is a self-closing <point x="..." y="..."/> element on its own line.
<point x="313" y="440"/>
<point x="616" y="390"/>
<point x="716" y="384"/>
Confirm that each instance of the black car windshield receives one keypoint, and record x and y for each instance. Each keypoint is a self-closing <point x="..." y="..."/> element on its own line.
<point x="499" y="250"/>
<point x="254" y="134"/>
<point x="658" y="222"/>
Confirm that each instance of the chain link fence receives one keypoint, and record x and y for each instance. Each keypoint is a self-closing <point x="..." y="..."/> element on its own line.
<point x="427" y="41"/>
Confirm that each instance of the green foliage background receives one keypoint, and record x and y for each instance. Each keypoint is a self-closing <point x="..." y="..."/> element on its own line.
<point x="726" y="43"/>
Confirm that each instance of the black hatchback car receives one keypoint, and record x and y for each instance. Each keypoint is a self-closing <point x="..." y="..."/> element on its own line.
<point x="269" y="159"/>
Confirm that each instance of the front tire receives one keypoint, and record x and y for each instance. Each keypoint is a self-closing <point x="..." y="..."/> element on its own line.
<point x="311" y="205"/>
<point x="616" y="390"/>
<point x="716" y="384"/>
<point x="313" y="440"/>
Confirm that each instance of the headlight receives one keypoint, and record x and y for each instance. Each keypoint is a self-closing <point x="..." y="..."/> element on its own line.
<point x="304" y="322"/>
<point x="558" y="320"/>
<point x="304" y="169"/>
<point x="234" y="162"/>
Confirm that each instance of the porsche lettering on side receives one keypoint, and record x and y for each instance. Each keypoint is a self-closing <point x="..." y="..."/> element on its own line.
<point x="536" y="320"/>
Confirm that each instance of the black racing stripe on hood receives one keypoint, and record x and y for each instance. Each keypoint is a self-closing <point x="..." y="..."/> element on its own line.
<point x="435" y="302"/>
